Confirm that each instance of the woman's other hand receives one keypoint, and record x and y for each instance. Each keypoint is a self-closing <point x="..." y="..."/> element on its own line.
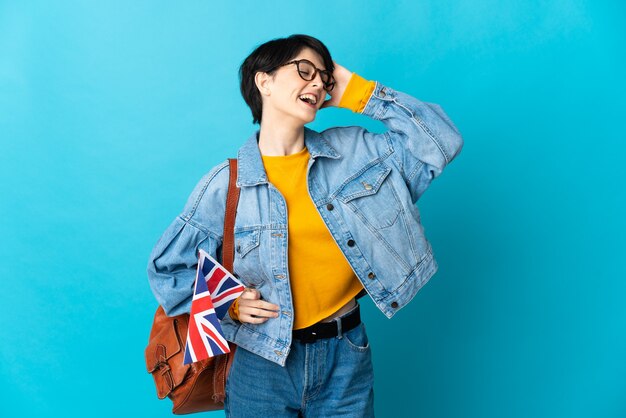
<point x="342" y="77"/>
<point x="253" y="310"/>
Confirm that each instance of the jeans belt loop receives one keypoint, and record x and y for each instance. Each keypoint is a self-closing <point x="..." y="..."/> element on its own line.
<point x="339" y="334"/>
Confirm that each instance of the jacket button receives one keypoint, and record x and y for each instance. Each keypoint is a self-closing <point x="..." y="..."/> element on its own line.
<point x="371" y="275"/>
<point x="239" y="248"/>
<point x="394" y="305"/>
<point x="330" y="206"/>
<point x="382" y="93"/>
<point x="350" y="243"/>
<point x="278" y="353"/>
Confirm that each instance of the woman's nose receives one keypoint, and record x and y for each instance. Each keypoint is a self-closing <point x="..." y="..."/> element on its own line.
<point x="317" y="80"/>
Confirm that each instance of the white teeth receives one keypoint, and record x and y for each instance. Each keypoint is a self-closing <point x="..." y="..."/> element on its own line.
<point x="310" y="98"/>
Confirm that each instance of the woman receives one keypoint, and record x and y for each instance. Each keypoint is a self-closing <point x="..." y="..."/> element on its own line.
<point x="323" y="219"/>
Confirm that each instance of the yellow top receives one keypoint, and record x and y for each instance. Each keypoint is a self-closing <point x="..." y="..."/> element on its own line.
<point x="321" y="279"/>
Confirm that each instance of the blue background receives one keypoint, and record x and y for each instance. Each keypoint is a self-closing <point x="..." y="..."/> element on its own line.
<point x="110" y="112"/>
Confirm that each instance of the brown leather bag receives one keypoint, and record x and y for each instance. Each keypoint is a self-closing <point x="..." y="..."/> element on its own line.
<point x="199" y="386"/>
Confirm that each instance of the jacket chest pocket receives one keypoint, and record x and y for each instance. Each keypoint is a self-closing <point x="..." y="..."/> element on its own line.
<point x="372" y="197"/>
<point x="247" y="262"/>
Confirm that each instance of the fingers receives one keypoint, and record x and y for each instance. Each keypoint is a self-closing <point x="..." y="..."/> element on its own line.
<point x="264" y="313"/>
<point x="250" y="293"/>
<point x="253" y="310"/>
<point x="251" y="304"/>
<point x="255" y="315"/>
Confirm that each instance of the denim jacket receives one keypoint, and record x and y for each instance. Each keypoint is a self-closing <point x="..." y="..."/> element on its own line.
<point x="364" y="186"/>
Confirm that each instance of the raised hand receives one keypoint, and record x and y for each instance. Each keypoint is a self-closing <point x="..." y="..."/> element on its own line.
<point x="342" y="77"/>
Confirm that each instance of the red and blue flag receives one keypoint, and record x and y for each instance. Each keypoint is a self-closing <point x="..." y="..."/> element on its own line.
<point x="215" y="290"/>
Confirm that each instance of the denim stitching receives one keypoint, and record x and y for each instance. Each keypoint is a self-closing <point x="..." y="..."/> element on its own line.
<point x="217" y="170"/>
<point x="419" y="122"/>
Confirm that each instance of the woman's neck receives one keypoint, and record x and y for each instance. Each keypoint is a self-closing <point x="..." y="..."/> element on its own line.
<point x="280" y="140"/>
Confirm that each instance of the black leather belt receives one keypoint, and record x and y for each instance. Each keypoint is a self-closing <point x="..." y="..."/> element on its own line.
<point x="331" y="329"/>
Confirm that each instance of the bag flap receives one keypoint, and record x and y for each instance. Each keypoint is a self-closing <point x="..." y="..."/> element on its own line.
<point x="165" y="351"/>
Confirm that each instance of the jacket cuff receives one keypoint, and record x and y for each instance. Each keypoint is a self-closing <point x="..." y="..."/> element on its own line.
<point x="357" y="93"/>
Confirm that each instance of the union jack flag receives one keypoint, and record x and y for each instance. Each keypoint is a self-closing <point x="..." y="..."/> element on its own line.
<point x="215" y="290"/>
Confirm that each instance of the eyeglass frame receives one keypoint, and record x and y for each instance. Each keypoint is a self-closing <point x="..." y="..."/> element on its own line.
<point x="330" y="75"/>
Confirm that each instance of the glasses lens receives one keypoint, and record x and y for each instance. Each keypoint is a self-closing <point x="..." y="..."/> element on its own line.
<point x="325" y="75"/>
<point x="306" y="70"/>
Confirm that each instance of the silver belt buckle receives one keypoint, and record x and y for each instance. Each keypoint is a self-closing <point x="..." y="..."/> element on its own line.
<point x="339" y="333"/>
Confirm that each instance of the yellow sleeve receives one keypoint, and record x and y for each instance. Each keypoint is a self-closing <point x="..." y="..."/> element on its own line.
<point x="357" y="93"/>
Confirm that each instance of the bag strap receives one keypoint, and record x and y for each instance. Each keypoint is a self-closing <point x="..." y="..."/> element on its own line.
<point x="223" y="363"/>
<point x="232" y="198"/>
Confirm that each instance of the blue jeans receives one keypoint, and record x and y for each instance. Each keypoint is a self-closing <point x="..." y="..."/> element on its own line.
<point x="330" y="377"/>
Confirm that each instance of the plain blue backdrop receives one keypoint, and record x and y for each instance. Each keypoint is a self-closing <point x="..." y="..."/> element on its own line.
<point x="110" y="112"/>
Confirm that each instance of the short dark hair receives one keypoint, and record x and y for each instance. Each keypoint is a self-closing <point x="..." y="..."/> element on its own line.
<point x="267" y="58"/>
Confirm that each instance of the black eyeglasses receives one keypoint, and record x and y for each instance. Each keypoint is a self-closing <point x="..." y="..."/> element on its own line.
<point x="307" y="71"/>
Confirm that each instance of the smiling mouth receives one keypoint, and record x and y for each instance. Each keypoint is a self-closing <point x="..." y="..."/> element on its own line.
<point x="309" y="100"/>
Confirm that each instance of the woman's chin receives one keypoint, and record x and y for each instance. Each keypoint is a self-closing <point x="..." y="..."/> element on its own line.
<point x="308" y="118"/>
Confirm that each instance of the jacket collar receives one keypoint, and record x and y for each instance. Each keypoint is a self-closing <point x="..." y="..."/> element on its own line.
<point x="250" y="169"/>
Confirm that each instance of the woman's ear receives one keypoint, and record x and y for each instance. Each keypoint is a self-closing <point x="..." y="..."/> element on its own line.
<point x="262" y="81"/>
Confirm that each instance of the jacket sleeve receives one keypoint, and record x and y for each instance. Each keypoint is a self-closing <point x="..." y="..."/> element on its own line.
<point x="173" y="261"/>
<point x="423" y="138"/>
